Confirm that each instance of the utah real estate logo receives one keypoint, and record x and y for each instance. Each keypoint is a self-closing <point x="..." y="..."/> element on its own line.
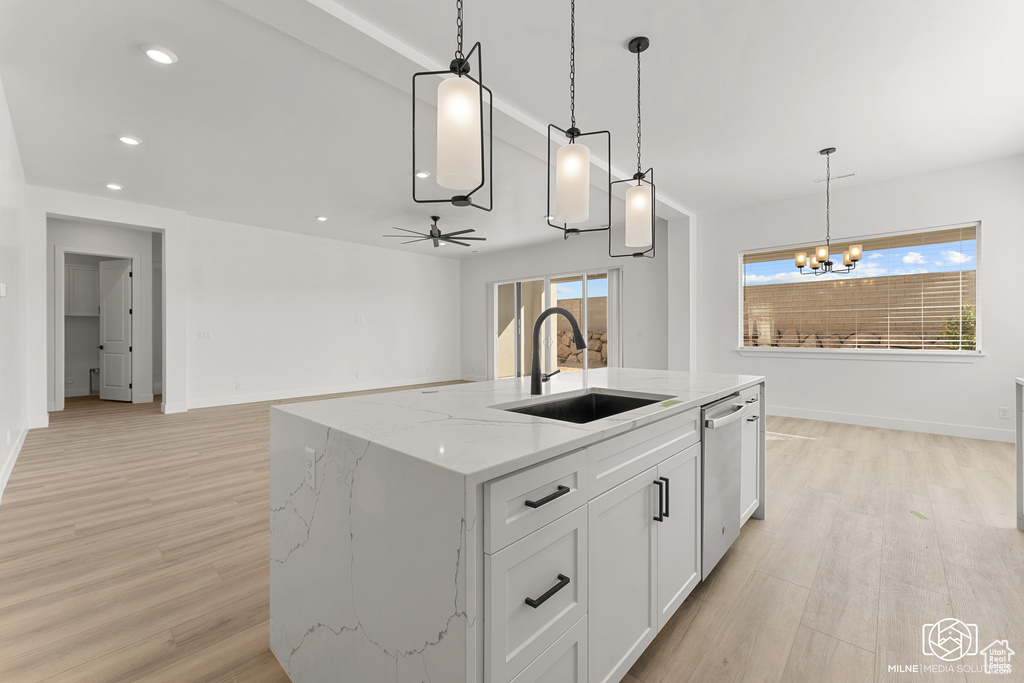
<point x="952" y="640"/>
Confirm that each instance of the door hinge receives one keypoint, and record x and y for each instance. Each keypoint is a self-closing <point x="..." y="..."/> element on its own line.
<point x="130" y="274"/>
<point x="129" y="385"/>
<point x="129" y="349"/>
<point x="129" y="311"/>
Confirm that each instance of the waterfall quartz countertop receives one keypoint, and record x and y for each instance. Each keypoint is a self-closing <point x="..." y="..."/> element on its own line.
<point x="454" y="428"/>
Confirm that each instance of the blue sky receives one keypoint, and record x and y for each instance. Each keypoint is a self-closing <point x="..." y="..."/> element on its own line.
<point x="574" y="290"/>
<point x="930" y="258"/>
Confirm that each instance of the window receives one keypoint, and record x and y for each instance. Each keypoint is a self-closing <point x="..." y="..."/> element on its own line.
<point x="591" y="297"/>
<point x="911" y="291"/>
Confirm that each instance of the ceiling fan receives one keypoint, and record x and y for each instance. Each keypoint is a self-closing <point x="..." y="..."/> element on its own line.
<point x="439" y="238"/>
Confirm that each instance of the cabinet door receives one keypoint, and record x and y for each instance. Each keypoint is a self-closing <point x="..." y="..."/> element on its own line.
<point x="749" y="465"/>
<point x="83" y="284"/>
<point x="623" y="575"/>
<point x="679" y="534"/>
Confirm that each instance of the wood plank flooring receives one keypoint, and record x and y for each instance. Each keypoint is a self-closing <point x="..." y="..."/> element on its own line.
<point x="134" y="546"/>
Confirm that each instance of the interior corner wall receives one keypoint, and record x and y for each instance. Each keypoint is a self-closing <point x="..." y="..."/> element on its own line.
<point x="273" y="314"/>
<point x="679" y="257"/>
<point x="940" y="397"/>
<point x="644" y="295"/>
<point x="14" y="417"/>
<point x="116" y="242"/>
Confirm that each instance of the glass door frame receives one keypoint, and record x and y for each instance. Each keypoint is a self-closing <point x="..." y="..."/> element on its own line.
<point x="614" y="323"/>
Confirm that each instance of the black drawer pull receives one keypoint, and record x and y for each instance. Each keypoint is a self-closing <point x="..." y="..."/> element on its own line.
<point x="667" y="494"/>
<point x="753" y="419"/>
<point x="562" y="490"/>
<point x="752" y="400"/>
<point x="563" y="581"/>
<point x="660" y="517"/>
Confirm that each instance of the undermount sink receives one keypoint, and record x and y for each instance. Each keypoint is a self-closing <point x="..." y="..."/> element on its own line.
<point x="587" y="407"/>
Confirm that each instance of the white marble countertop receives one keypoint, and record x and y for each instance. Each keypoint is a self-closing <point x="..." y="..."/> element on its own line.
<point x="1020" y="381"/>
<point x="454" y="428"/>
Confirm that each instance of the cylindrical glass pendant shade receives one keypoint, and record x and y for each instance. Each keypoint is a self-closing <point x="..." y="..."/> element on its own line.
<point x="855" y="252"/>
<point x="821" y="253"/>
<point x="847" y="261"/>
<point x="458" y="134"/>
<point x="814" y="263"/>
<point x="572" y="183"/>
<point x="638" y="216"/>
<point x="801" y="259"/>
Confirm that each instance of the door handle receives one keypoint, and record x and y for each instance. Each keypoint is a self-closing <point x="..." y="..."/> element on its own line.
<point x="100" y="347"/>
<point x="722" y="421"/>
<point x="562" y="490"/>
<point x="660" y="517"/>
<point x="563" y="581"/>
<point x="668" y="495"/>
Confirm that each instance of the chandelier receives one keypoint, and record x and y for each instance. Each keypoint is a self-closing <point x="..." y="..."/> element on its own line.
<point x="820" y="261"/>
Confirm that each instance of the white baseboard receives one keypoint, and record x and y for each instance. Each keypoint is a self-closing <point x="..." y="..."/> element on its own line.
<point x="38" y="421"/>
<point x="10" y="455"/>
<point x="168" y="408"/>
<point x="68" y="393"/>
<point x="966" y="431"/>
<point x="143" y="398"/>
<point x="319" y="391"/>
<point x="474" y="378"/>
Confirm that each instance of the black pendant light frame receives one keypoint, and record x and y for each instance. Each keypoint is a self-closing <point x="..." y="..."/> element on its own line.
<point x="636" y="46"/>
<point x="556" y="134"/>
<point x="461" y="67"/>
<point x="826" y="266"/>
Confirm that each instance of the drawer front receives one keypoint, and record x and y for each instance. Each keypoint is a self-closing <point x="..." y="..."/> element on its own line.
<point x="563" y="662"/>
<point x="620" y="458"/>
<point x="525" y="501"/>
<point x="549" y="568"/>
<point x="751" y="395"/>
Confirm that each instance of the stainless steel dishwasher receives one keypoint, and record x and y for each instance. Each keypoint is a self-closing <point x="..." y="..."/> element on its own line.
<point x="721" y="428"/>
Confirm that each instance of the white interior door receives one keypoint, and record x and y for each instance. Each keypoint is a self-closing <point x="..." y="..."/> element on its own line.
<point x="116" y="330"/>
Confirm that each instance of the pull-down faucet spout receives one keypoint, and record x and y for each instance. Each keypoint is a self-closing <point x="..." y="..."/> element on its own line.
<point x="578" y="339"/>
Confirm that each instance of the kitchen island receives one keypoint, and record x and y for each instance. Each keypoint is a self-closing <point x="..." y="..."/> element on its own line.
<point x="435" y="535"/>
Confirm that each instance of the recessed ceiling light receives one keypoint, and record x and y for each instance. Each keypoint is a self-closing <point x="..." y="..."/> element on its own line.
<point x="321" y="218"/>
<point x="114" y="186"/>
<point x="422" y="174"/>
<point x="129" y="140"/>
<point x="160" y="55"/>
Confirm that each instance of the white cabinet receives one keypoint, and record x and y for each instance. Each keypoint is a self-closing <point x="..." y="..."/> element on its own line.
<point x="563" y="662"/>
<point x="623" y="575"/>
<point x="81" y="290"/>
<point x="750" y="455"/>
<point x="679" y="532"/>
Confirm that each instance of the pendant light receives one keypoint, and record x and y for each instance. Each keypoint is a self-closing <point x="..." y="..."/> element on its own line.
<point x="462" y="132"/>
<point x="820" y="261"/>
<point x="640" y="195"/>
<point x="569" y="177"/>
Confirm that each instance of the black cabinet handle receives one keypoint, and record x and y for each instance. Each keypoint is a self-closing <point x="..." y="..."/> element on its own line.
<point x="753" y="419"/>
<point x="667" y="494"/>
<point x="562" y="490"/>
<point x="563" y="581"/>
<point x="752" y="400"/>
<point x="660" y="517"/>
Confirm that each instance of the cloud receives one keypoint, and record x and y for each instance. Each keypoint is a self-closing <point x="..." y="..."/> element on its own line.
<point x="913" y="257"/>
<point x="909" y="271"/>
<point x="774" y="279"/>
<point x="875" y="254"/>
<point x="955" y="257"/>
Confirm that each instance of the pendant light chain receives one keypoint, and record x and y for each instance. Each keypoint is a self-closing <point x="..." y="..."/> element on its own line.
<point x="828" y="200"/>
<point x="458" y="26"/>
<point x="572" y="64"/>
<point x="639" y="166"/>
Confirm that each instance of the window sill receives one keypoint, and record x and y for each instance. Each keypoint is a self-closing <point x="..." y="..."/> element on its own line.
<point x="858" y="354"/>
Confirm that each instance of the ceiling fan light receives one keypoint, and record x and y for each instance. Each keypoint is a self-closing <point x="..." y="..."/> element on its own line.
<point x="572" y="183"/>
<point x="639" y="217"/>
<point x="458" y="134"/>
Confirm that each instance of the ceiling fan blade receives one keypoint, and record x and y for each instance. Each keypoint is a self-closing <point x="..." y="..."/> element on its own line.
<point x="404" y="237"/>
<point x="475" y="239"/>
<point x="407" y="230"/>
<point x="459" y="232"/>
<point x="434" y="237"/>
<point x="461" y="244"/>
<point x="422" y="239"/>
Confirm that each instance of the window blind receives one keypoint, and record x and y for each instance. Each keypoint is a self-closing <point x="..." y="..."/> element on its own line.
<point x="915" y="291"/>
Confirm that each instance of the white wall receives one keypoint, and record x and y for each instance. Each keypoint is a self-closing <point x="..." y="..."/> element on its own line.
<point x="116" y="242"/>
<point x="14" y="422"/>
<point x="956" y="398"/>
<point x="644" y="294"/>
<point x="294" y="315"/>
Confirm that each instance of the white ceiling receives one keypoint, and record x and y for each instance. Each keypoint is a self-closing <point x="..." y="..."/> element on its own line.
<point x="280" y="110"/>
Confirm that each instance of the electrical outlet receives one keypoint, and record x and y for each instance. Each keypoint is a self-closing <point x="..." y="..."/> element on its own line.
<point x="1004" y="413"/>
<point x="8" y="437"/>
<point x="205" y="335"/>
<point x="3" y="290"/>
<point x="639" y="333"/>
<point x="356" y="374"/>
<point x="69" y="380"/>
<point x="238" y="385"/>
<point x="360" y="319"/>
<point x="311" y="467"/>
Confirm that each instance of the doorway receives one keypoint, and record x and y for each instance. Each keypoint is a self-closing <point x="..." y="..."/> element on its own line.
<point x="593" y="299"/>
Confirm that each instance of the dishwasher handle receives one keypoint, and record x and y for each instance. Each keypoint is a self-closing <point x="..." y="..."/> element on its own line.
<point x="715" y="422"/>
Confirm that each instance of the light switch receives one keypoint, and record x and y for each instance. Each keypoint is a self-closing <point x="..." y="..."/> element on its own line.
<point x="3" y="289"/>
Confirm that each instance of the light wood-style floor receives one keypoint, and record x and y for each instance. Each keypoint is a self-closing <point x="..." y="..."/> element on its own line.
<point x="134" y="546"/>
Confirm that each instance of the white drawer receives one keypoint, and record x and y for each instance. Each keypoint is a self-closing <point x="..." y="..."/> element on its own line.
<point x="525" y="501"/>
<point x="563" y="662"/>
<point x="548" y="567"/>
<point x="623" y="457"/>
<point x="751" y="395"/>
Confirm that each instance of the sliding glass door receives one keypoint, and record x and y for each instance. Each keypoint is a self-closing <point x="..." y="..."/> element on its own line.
<point x="592" y="298"/>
